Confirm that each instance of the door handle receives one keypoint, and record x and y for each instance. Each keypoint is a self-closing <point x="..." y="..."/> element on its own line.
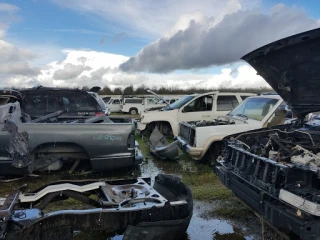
<point x="206" y="116"/>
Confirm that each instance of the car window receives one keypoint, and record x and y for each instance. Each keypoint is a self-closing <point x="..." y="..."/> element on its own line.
<point x="116" y="101"/>
<point x="226" y="103"/>
<point x="78" y="102"/>
<point x="151" y="101"/>
<point x="200" y="104"/>
<point x="134" y="100"/>
<point x="244" y="97"/>
<point x="42" y="103"/>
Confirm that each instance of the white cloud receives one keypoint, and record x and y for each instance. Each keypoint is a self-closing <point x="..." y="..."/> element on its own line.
<point x="145" y="19"/>
<point x="70" y="71"/>
<point x="15" y="67"/>
<point x="8" y="8"/>
<point x="217" y="41"/>
<point x="102" y="70"/>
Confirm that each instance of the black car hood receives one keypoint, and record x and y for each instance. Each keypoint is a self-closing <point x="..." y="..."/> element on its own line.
<point x="292" y="68"/>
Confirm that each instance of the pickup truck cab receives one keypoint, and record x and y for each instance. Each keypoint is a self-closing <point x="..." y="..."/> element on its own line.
<point x="48" y="142"/>
<point x="202" y="139"/>
<point x="195" y="107"/>
<point x="115" y="105"/>
<point x="138" y="105"/>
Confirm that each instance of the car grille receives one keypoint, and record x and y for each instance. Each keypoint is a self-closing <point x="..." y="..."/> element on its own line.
<point x="187" y="132"/>
<point x="260" y="171"/>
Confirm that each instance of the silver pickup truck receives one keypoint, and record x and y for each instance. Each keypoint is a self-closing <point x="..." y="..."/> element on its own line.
<point x="42" y="144"/>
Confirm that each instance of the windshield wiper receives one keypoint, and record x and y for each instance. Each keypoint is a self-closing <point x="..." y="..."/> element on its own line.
<point x="242" y="115"/>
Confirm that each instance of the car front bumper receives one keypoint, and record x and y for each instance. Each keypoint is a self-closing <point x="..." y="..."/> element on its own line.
<point x="195" y="153"/>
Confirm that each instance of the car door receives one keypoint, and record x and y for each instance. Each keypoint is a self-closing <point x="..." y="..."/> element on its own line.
<point x="224" y="104"/>
<point x="198" y="109"/>
<point x="116" y="105"/>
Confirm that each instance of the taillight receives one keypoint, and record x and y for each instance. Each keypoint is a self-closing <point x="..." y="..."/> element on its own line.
<point x="99" y="113"/>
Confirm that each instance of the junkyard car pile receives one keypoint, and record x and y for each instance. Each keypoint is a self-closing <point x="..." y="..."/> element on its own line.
<point x="276" y="170"/>
<point x="273" y="167"/>
<point x="57" y="126"/>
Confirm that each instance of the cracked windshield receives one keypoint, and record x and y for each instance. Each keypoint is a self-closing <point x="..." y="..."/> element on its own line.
<point x="150" y="120"/>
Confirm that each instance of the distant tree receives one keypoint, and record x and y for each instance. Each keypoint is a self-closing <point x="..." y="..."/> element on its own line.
<point x="128" y="90"/>
<point x="85" y="88"/>
<point x="142" y="89"/>
<point x="117" y="91"/>
<point x="105" y="91"/>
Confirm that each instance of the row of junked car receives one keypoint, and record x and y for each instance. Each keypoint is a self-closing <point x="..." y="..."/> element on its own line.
<point x="137" y="104"/>
<point x="44" y="128"/>
<point x="267" y="149"/>
<point x="273" y="167"/>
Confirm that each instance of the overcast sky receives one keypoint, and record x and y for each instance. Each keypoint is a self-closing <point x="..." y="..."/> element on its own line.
<point x="181" y="43"/>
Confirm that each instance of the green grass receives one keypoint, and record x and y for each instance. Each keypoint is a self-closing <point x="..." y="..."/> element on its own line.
<point x="231" y="208"/>
<point x="206" y="186"/>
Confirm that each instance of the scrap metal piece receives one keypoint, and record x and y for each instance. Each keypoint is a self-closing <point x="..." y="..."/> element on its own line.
<point x="18" y="147"/>
<point x="164" y="210"/>
<point x="160" y="147"/>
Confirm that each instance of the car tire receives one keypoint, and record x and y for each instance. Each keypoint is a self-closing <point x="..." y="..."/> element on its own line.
<point x="212" y="154"/>
<point x="133" y="111"/>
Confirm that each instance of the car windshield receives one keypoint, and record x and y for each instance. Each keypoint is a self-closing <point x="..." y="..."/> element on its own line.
<point x="178" y="104"/>
<point x="254" y="108"/>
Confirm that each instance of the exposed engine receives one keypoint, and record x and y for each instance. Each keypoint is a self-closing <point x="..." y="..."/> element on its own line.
<point x="278" y="159"/>
<point x="204" y="123"/>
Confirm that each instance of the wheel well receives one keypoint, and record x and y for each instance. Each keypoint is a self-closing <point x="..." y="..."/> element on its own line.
<point x="164" y="127"/>
<point x="64" y="148"/>
<point x="213" y="152"/>
<point x="133" y="108"/>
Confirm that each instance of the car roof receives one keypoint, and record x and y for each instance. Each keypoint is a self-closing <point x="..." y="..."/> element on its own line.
<point x="40" y="89"/>
<point x="224" y="93"/>
<point x="274" y="96"/>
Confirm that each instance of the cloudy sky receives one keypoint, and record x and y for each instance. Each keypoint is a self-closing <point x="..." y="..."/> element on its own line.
<point x="115" y="43"/>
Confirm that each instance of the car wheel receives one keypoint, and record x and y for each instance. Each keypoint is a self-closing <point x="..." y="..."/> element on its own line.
<point x="133" y="111"/>
<point x="212" y="154"/>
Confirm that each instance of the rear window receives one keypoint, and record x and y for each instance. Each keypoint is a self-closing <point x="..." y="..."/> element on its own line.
<point x="41" y="103"/>
<point x="138" y="101"/>
<point x="78" y="101"/>
<point x="45" y="102"/>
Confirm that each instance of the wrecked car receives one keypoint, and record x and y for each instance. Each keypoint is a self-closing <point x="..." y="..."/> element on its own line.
<point x="76" y="104"/>
<point x="133" y="206"/>
<point x="46" y="143"/>
<point x="275" y="170"/>
<point x="202" y="139"/>
<point x="195" y="107"/>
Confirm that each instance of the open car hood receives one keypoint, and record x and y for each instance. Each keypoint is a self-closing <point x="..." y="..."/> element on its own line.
<point x="292" y="68"/>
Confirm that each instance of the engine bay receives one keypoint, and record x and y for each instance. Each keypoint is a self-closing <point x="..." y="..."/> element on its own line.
<point x="281" y="158"/>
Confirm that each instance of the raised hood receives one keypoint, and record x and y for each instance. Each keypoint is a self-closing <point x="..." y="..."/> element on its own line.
<point x="292" y="68"/>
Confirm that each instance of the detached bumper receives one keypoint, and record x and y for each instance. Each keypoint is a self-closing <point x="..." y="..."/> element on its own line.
<point x="195" y="153"/>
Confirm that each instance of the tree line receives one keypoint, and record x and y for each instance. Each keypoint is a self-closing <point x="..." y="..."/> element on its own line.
<point x="141" y="90"/>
